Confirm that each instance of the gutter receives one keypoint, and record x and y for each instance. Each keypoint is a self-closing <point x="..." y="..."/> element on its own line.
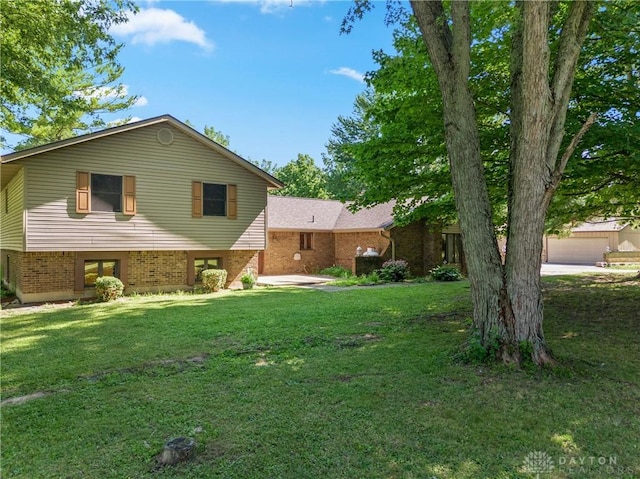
<point x="393" y="244"/>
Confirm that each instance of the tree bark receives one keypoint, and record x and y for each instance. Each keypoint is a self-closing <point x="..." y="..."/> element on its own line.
<point x="508" y="309"/>
<point x="450" y="55"/>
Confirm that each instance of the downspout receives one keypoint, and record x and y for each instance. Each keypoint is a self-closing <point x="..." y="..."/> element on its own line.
<point x="393" y="244"/>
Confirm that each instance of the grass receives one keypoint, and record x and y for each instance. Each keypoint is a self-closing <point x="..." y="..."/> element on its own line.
<point x="297" y="383"/>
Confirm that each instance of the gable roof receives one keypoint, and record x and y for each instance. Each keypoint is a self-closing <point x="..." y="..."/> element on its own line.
<point x="287" y="213"/>
<point x="599" y="226"/>
<point x="168" y="119"/>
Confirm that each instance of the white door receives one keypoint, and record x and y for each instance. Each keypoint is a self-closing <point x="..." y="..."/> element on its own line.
<point x="576" y="250"/>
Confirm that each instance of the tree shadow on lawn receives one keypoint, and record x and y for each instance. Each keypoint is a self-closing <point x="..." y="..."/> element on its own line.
<point x="358" y="406"/>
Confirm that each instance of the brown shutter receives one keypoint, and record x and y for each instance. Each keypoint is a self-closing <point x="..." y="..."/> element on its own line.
<point x="129" y="195"/>
<point x="83" y="192"/>
<point x="232" y="202"/>
<point x="196" y="199"/>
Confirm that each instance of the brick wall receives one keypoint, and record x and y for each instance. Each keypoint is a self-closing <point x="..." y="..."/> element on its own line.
<point x="168" y="270"/>
<point x="12" y="277"/>
<point x="419" y="244"/>
<point x="416" y="243"/>
<point x="149" y="270"/>
<point x="346" y="244"/>
<point x="282" y="246"/>
<point x="237" y="263"/>
<point x="46" y="272"/>
<point x="50" y="276"/>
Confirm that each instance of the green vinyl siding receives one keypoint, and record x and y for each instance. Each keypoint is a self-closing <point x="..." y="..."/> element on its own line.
<point x="11" y="214"/>
<point x="163" y="175"/>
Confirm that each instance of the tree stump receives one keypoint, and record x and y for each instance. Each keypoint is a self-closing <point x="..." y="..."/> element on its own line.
<point x="177" y="450"/>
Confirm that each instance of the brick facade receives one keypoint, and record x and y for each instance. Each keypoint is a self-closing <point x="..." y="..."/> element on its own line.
<point x="53" y="276"/>
<point x="156" y="270"/>
<point x="346" y="244"/>
<point x="283" y="246"/>
<point x="12" y="269"/>
<point x="419" y="244"/>
<point x="50" y="276"/>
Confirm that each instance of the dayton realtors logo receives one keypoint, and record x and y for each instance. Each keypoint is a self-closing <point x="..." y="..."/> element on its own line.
<point x="538" y="462"/>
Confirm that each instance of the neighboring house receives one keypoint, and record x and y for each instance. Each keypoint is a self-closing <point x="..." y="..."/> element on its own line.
<point x="588" y="242"/>
<point x="152" y="202"/>
<point x="307" y="235"/>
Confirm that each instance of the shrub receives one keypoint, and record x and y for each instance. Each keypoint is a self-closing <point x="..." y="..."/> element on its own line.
<point x="394" y="270"/>
<point x="108" y="288"/>
<point x="247" y="280"/>
<point x="337" y="272"/>
<point x="446" y="273"/>
<point x="214" y="279"/>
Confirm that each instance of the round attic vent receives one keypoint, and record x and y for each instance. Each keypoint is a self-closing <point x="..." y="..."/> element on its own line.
<point x="165" y="136"/>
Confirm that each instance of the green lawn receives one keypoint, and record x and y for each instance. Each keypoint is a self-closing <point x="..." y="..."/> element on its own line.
<point x="297" y="383"/>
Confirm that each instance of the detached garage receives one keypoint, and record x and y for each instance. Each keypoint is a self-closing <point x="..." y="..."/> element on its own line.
<point x="576" y="250"/>
<point x="588" y="242"/>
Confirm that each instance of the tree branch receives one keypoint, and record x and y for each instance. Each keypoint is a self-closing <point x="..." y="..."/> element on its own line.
<point x="559" y="170"/>
<point x="461" y="49"/>
<point x="574" y="32"/>
<point x="436" y="35"/>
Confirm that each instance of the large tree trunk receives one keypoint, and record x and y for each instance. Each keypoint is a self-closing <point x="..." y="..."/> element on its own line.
<point x="530" y="130"/>
<point x="507" y="300"/>
<point x="449" y="52"/>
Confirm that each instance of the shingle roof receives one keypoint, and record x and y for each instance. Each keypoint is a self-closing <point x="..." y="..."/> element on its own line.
<point x="22" y="154"/>
<point x="310" y="214"/>
<point x="602" y="225"/>
<point x="288" y="213"/>
<point x="376" y="217"/>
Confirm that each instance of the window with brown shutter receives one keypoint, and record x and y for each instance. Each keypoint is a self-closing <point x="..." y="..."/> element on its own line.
<point x="83" y="192"/>
<point x="196" y="199"/>
<point x="129" y="194"/>
<point x="232" y="202"/>
<point x="111" y="193"/>
<point x="213" y="199"/>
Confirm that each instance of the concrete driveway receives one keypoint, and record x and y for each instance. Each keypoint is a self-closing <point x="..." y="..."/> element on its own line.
<point x="293" y="280"/>
<point x="552" y="269"/>
<point x="548" y="269"/>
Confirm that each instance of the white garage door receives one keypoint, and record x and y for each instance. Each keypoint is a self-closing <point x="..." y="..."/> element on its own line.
<point x="576" y="250"/>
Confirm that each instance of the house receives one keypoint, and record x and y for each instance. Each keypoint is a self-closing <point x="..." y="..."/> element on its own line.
<point x="152" y="202"/>
<point x="588" y="243"/>
<point x="307" y="235"/>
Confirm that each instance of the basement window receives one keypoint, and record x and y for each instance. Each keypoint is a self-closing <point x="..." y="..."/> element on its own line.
<point x="201" y="264"/>
<point x="93" y="269"/>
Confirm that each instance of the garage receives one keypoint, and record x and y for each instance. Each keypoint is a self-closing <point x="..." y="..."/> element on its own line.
<point x="576" y="250"/>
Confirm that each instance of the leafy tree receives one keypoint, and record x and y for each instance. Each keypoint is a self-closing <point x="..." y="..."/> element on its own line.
<point x="266" y="166"/>
<point x="216" y="136"/>
<point x="505" y="91"/>
<point x="404" y="106"/>
<point x="213" y="134"/>
<point x="343" y="182"/>
<point x="59" y="66"/>
<point x="224" y="140"/>
<point x="302" y="179"/>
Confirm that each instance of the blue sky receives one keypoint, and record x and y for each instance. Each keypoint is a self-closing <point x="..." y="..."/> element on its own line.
<point x="272" y="77"/>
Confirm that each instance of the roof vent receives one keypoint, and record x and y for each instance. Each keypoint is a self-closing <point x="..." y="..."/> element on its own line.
<point x="165" y="136"/>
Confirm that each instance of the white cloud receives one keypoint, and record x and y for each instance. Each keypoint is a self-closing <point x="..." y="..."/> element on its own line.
<point x="141" y="101"/>
<point x="272" y="6"/>
<point x="123" y="121"/>
<point x="155" y="25"/>
<point x="111" y="93"/>
<point x="349" y="72"/>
